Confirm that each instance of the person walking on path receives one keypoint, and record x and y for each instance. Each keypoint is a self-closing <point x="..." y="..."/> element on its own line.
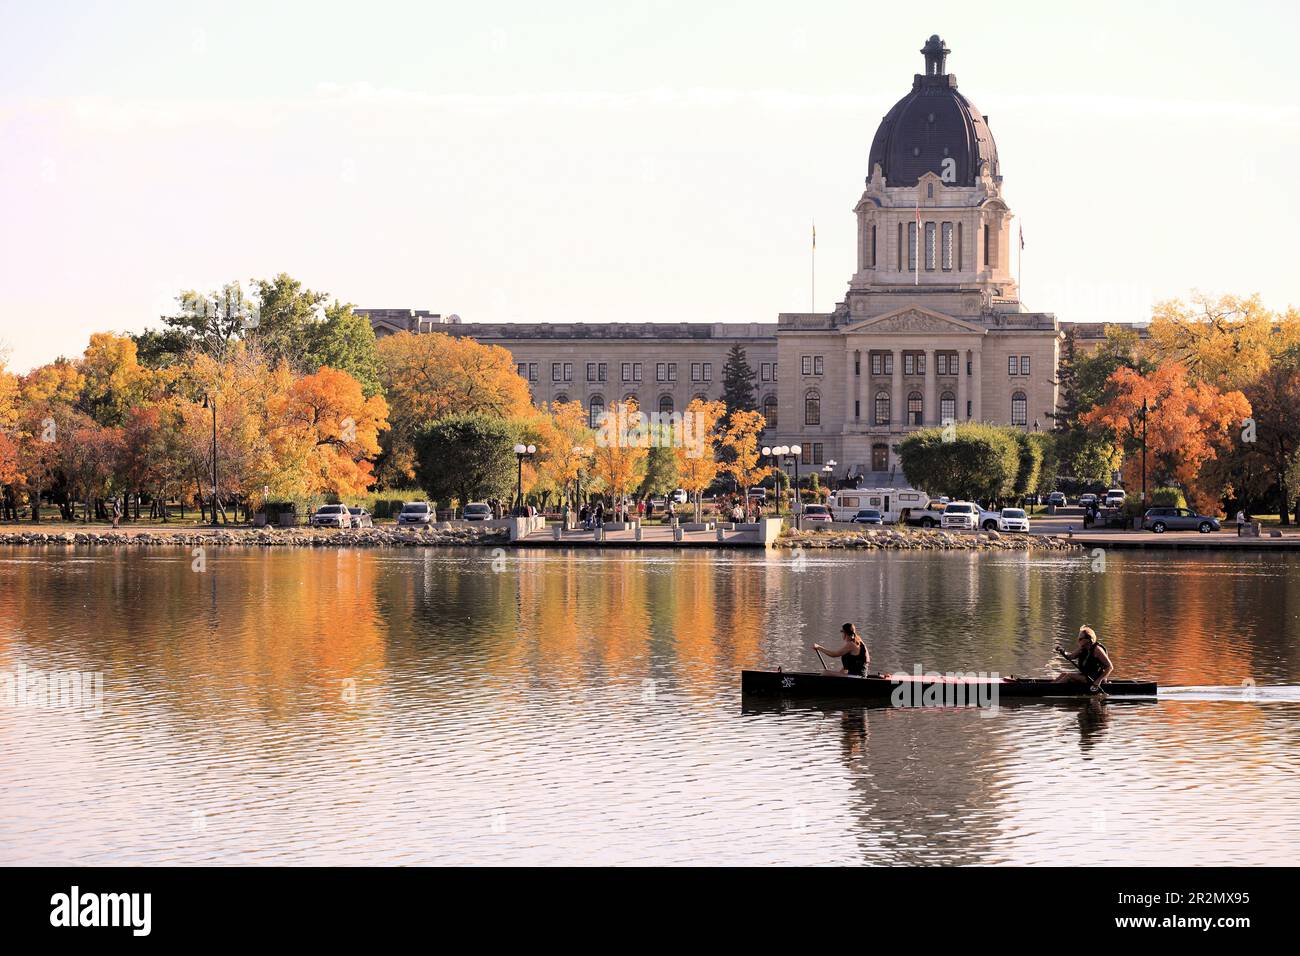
<point x="117" y="511"/>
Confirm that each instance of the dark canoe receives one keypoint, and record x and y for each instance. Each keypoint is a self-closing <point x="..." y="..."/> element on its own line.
<point x="913" y="690"/>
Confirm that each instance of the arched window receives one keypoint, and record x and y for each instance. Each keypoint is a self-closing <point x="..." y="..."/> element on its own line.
<point x="561" y="399"/>
<point x="769" y="410"/>
<point x="812" y="408"/>
<point x="666" y="404"/>
<point x="630" y="399"/>
<point x="596" y="409"/>
<point x="914" y="408"/>
<point x="947" y="407"/>
<point x="882" y="408"/>
<point x="1019" y="409"/>
<point x="699" y="397"/>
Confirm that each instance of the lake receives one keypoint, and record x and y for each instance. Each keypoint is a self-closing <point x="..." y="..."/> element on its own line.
<point x="467" y="706"/>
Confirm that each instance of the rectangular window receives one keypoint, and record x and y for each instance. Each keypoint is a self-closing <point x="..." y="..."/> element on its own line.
<point x="774" y="371"/>
<point x="947" y="408"/>
<point x="899" y="249"/>
<point x="873" y="245"/>
<point x="1013" y="365"/>
<point x="806" y="456"/>
<point x="568" y="371"/>
<point x="661" y="372"/>
<point x="877" y="364"/>
<point x="672" y="371"/>
<point x="532" y="371"/>
<point x="806" y="364"/>
<point x="1024" y="365"/>
<point x="764" y="372"/>
<point x="947" y="247"/>
<point x="695" y="371"/>
<point x="959" y="249"/>
<point x="929" y="246"/>
<point x="818" y="367"/>
<point x="909" y="363"/>
<point x="557" y="375"/>
<point x="857" y="408"/>
<point x="591" y="371"/>
<point x="817" y="453"/>
<point x="986" y="245"/>
<point x="636" y="371"/>
<point x="708" y="371"/>
<point x="889" y="363"/>
<point x="941" y="363"/>
<point x="920" y="364"/>
<point x="911" y="247"/>
<point x="602" y="372"/>
<point x="522" y="369"/>
<point x="627" y="371"/>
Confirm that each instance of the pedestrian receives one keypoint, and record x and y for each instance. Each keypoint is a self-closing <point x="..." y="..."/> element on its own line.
<point x="1241" y="521"/>
<point x="117" y="511"/>
<point x="584" y="517"/>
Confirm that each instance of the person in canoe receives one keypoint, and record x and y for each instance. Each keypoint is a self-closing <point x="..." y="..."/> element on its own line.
<point x="1093" y="663"/>
<point x="853" y="653"/>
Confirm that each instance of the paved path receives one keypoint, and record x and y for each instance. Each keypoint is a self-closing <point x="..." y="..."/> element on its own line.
<point x="1171" y="540"/>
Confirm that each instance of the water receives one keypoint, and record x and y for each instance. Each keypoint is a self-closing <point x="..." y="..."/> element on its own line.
<point x="308" y="707"/>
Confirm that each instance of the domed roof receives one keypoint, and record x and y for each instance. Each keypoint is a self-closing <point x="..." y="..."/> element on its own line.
<point x="933" y="129"/>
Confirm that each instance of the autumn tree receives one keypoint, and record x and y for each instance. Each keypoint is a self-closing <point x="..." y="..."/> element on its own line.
<point x="619" y="462"/>
<point x="1226" y="340"/>
<point x="1187" y="424"/>
<point x="697" y="461"/>
<point x="740" y="444"/>
<point x="567" y="445"/>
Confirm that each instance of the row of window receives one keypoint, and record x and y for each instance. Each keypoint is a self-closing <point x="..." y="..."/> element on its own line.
<point x="1020" y="367"/>
<point x="812" y="409"/>
<point x="596" y="407"/>
<point x="631" y="371"/>
<point x="943" y="246"/>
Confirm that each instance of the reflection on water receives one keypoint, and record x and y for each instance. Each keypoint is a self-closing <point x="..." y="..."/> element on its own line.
<point x="420" y="707"/>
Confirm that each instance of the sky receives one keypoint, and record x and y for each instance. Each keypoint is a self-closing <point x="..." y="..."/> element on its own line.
<point x="601" y="162"/>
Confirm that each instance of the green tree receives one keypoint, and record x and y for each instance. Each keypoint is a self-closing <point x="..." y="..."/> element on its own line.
<point x="287" y="313"/>
<point x="1030" y="463"/>
<point x="977" y="461"/>
<point x="467" y="457"/>
<point x="661" y="475"/>
<point x="345" y="341"/>
<point x="1085" y="452"/>
<point x="737" y="383"/>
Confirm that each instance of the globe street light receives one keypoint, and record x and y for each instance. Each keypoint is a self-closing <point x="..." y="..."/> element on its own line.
<point x="211" y="402"/>
<point x="521" y="452"/>
<point x="581" y="453"/>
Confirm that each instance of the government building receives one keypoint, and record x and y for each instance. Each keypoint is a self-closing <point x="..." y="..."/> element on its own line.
<point x="931" y="328"/>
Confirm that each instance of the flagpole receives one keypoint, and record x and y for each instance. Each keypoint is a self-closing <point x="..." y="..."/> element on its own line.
<point x="812" y="305"/>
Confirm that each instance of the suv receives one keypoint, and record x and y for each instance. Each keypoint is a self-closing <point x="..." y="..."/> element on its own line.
<point x="1056" y="498"/>
<point x="331" y="516"/>
<point x="1160" y="520"/>
<point x="1087" y="500"/>
<point x="816" y="513"/>
<point x="961" y="515"/>
<point x="1013" y="519"/>
<point x="413" y="513"/>
<point x="1114" y="498"/>
<point x="477" y="511"/>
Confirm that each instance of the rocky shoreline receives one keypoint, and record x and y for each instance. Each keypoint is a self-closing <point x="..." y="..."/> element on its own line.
<point x="910" y="539"/>
<point x="384" y="537"/>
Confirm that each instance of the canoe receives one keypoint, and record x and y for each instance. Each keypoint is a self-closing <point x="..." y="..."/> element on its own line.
<point x="925" y="690"/>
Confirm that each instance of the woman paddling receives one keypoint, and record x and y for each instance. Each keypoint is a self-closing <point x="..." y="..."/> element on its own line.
<point x="853" y="654"/>
<point x="1093" y="663"/>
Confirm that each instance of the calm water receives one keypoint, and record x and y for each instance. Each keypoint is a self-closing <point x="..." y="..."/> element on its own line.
<point x="425" y="707"/>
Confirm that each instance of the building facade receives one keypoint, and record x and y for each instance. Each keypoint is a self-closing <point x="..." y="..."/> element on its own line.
<point x="931" y="328"/>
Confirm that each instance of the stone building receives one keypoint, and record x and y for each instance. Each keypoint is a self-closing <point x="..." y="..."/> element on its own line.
<point x="931" y="328"/>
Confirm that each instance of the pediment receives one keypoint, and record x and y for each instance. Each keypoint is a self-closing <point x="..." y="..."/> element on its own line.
<point x="915" y="320"/>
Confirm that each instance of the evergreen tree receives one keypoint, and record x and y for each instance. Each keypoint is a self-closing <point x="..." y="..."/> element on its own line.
<point x="738" y="383"/>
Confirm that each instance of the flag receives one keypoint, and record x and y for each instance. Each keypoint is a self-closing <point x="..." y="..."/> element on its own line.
<point x="1022" y="238"/>
<point x="814" y="235"/>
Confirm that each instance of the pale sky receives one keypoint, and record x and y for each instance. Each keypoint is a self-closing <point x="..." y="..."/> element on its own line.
<point x="615" y="161"/>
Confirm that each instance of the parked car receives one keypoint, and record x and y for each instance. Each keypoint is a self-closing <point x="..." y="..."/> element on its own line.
<point x="1114" y="498"/>
<point x="931" y="516"/>
<point x="867" y="516"/>
<point x="1087" y="500"/>
<point x="477" y="511"/>
<point x="361" y="518"/>
<point x="1013" y="519"/>
<point x="758" y="492"/>
<point x="1056" y="498"/>
<point x="415" y="513"/>
<point x="1160" y="520"/>
<point x="331" y="516"/>
<point x="817" y="513"/>
<point x="679" y="496"/>
<point x="961" y="516"/>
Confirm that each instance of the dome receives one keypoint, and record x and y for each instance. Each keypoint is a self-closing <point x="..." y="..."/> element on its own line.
<point x="933" y="129"/>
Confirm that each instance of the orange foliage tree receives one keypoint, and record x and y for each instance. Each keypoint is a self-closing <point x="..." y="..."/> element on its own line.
<point x="620" y="458"/>
<point x="1188" y="424"/>
<point x="741" y="443"/>
<point x="696" y="454"/>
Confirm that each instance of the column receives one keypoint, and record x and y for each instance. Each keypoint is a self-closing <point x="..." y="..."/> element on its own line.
<point x="850" y="420"/>
<point x="976" y="382"/>
<point x="931" y="416"/>
<point x="961" y="385"/>
<point x="897" y="413"/>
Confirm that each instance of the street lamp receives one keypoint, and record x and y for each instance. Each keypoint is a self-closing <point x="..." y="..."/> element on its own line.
<point x="771" y="453"/>
<point x="522" y="452"/>
<point x="211" y="402"/>
<point x="1144" y="454"/>
<point x="581" y="453"/>
<point x="830" y="468"/>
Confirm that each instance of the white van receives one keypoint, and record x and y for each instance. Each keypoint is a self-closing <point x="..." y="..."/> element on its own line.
<point x="1114" y="498"/>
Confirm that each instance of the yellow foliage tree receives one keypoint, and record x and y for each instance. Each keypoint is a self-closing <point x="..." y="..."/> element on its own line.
<point x="619" y="464"/>
<point x="697" y="461"/>
<point x="741" y="442"/>
<point x="567" y="446"/>
<point x="1228" y="341"/>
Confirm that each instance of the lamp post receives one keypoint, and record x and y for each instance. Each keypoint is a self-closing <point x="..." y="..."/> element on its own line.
<point x="522" y="452"/>
<point x="210" y="401"/>
<point x="581" y="453"/>
<point x="830" y="468"/>
<point x="793" y="452"/>
<point x="770" y="453"/>
<point x="1144" y="454"/>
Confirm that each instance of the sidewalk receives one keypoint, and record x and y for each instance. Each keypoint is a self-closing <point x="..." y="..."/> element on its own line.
<point x="1171" y="540"/>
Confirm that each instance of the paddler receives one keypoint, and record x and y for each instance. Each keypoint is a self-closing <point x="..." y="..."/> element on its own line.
<point x="853" y="654"/>
<point x="1093" y="663"/>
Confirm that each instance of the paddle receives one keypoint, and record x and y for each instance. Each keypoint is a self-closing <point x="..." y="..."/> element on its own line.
<point x="820" y="658"/>
<point x="1080" y="670"/>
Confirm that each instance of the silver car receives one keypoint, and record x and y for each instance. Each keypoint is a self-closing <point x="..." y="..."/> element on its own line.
<point x="361" y="518"/>
<point x="1160" y="520"/>
<point x="332" y="516"/>
<point x="415" y="513"/>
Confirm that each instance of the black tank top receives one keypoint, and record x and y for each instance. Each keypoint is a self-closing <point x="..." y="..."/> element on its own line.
<point x="856" y="663"/>
<point x="1090" y="663"/>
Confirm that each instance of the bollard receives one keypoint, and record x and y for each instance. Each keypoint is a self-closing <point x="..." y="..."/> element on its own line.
<point x="722" y="535"/>
<point x="678" y="534"/>
<point x="636" y="533"/>
<point x="556" y="532"/>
